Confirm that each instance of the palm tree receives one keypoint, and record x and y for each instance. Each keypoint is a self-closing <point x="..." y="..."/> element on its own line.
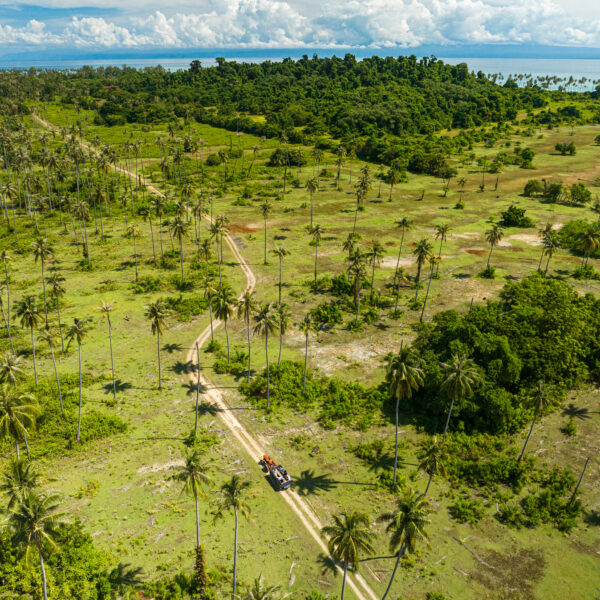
<point x="34" y="521"/>
<point x="312" y="185"/>
<point x="77" y="332"/>
<point x="18" y="412"/>
<point x="433" y="261"/>
<point x="493" y="237"/>
<point x="405" y="224"/>
<point x="42" y="250"/>
<point x="259" y="591"/>
<point x="223" y="304"/>
<point x="590" y="240"/>
<point x="441" y="233"/>
<point x="422" y="250"/>
<point x="351" y="243"/>
<point x="406" y="526"/>
<point x="246" y="307"/>
<point x="105" y="309"/>
<point x="48" y="337"/>
<point x="316" y="232"/>
<point x="6" y="258"/>
<point x="357" y="272"/>
<point x="375" y="255"/>
<point x="10" y="369"/>
<point x="265" y="322"/>
<point x="280" y="252"/>
<point x="194" y="474"/>
<point x="266" y="208"/>
<point x="551" y="243"/>
<point x="349" y="538"/>
<point x="156" y="313"/>
<point x="179" y="230"/>
<point x="133" y="230"/>
<point x="404" y="377"/>
<point x="18" y="478"/>
<point x="28" y="311"/>
<point x="283" y="316"/>
<point x="55" y="281"/>
<point x="6" y="322"/>
<point x="431" y="454"/>
<point x="393" y="178"/>
<point x="233" y="499"/>
<point x="306" y="326"/>
<point x="541" y="402"/>
<point x="461" y="375"/>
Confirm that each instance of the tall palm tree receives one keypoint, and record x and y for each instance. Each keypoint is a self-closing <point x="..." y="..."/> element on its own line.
<point x="11" y="369"/>
<point x="405" y="224"/>
<point x="404" y="377"/>
<point x="434" y="261"/>
<point x="194" y="475"/>
<point x="28" y="311"/>
<point x="156" y="313"/>
<point x="246" y="307"/>
<point x="265" y="322"/>
<point x="280" y="252"/>
<point x="461" y="375"/>
<point x="422" y="250"/>
<point x="541" y="402"/>
<point x="590" y="240"/>
<point x="431" y="455"/>
<point x="43" y="250"/>
<point x="312" y="185"/>
<point x="357" y="272"/>
<point x="6" y="322"/>
<point x="47" y="336"/>
<point x="393" y="178"/>
<point x="105" y="309"/>
<point x="265" y="209"/>
<point x="223" y="305"/>
<point x="58" y="291"/>
<point x="306" y="326"/>
<point x="133" y="230"/>
<point x="77" y="332"/>
<point x="349" y="538"/>
<point x="551" y="243"/>
<point x="441" y="233"/>
<point x="6" y="259"/>
<point x="283" y="316"/>
<point x="179" y="230"/>
<point x="18" y="412"/>
<point x="316" y="233"/>
<point x="233" y="499"/>
<point x="493" y="236"/>
<point x="18" y="478"/>
<point x="34" y="521"/>
<point x="406" y="526"/>
<point x="260" y="591"/>
<point x="375" y="255"/>
<point x="351" y="243"/>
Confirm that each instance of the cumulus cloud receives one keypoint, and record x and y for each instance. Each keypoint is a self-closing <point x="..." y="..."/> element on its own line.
<point x="314" y="23"/>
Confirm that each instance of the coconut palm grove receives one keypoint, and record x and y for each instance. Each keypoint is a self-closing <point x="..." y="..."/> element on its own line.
<point x="323" y="328"/>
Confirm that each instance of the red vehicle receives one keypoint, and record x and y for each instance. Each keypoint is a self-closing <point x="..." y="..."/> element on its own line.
<point x="279" y="476"/>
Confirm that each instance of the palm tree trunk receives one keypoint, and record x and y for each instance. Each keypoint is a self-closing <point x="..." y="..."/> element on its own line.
<point x="311" y="209"/>
<point x="152" y="236"/>
<point x="541" y="259"/>
<point x="235" y="548"/>
<point x="17" y="449"/>
<point x="249" y="347"/>
<point x="33" y="349"/>
<point x="344" y="579"/>
<point x="396" y="440"/>
<point x="265" y="248"/>
<point x="316" y="257"/>
<point x="62" y="339"/>
<point x="418" y="282"/>
<point x="57" y="380"/>
<point x="181" y="257"/>
<point x="135" y="256"/>
<point x="268" y="374"/>
<point x="6" y="324"/>
<point x="159" y="366"/>
<point x="79" y="411"/>
<point x="44" y="290"/>
<point x="448" y="420"/>
<point x="197" y="521"/>
<point x="489" y="256"/>
<point x="372" y="279"/>
<point x="227" y="338"/>
<point x="547" y="264"/>
<point x="7" y="293"/>
<point x="43" y="568"/>
<point x="579" y="482"/>
<point x="428" y="483"/>
<point x="197" y="394"/>
<point x="426" y="295"/>
<point x="112" y="362"/>
<point x="400" y="554"/>
<point x="305" y="364"/>
<point x="280" y="278"/>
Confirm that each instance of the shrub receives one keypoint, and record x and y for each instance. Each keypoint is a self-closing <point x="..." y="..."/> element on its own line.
<point x="586" y="272"/>
<point x="514" y="216"/>
<point x="569" y="429"/>
<point x="213" y="160"/>
<point x="146" y="285"/>
<point x="465" y="510"/>
<point x="533" y="187"/>
<point x="327" y="314"/>
<point x="488" y="273"/>
<point x="566" y="148"/>
<point x="185" y="308"/>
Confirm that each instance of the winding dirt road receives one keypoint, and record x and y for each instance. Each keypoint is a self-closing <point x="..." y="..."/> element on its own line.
<point x="254" y="446"/>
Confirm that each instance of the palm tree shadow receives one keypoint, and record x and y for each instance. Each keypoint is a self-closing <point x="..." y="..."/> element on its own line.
<point x="575" y="412"/>
<point x="328" y="566"/>
<point x="125" y="575"/>
<point x="183" y="368"/>
<point x="170" y="348"/>
<point x="191" y="388"/>
<point x="308" y="483"/>
<point x="592" y="517"/>
<point x="120" y="386"/>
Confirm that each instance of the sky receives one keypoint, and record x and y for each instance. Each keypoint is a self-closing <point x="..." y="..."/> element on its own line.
<point x="84" y="26"/>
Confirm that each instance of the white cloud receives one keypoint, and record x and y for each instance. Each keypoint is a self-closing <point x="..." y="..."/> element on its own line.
<point x="314" y="23"/>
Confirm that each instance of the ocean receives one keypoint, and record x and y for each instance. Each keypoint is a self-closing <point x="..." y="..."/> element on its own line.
<point x="578" y="68"/>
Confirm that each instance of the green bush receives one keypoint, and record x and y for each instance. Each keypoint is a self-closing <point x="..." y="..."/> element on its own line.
<point x="488" y="273"/>
<point x="147" y="284"/>
<point x="514" y="216"/>
<point x="327" y="314"/>
<point x="188" y="307"/>
<point x="465" y="510"/>
<point x="569" y="428"/>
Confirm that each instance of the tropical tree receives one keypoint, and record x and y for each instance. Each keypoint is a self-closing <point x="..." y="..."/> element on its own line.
<point x="77" y="332"/>
<point x="431" y="455"/>
<point x="306" y="326"/>
<point x="34" y="522"/>
<point x="357" y="272"/>
<point x="493" y="236"/>
<point x="406" y="527"/>
<point x="349" y="539"/>
<point x="405" y="224"/>
<point x="283" y="316"/>
<point x="266" y="322"/>
<point x="433" y="261"/>
<point x="43" y="250"/>
<point x="312" y="185"/>
<point x="133" y="230"/>
<point x="441" y="233"/>
<point x="280" y="252"/>
<point x="316" y="233"/>
<point x="11" y="369"/>
<point x="105" y="309"/>
<point x="351" y="243"/>
<point x="47" y="336"/>
<point x="29" y="314"/>
<point x="265" y="209"/>
<point x="223" y="304"/>
<point x="393" y="177"/>
<point x="6" y="322"/>
<point x="18" y="413"/>
<point x="55" y="282"/>
<point x="422" y="250"/>
<point x="156" y="313"/>
<point x="542" y="400"/>
<point x="5" y="258"/>
<point x="193" y="474"/>
<point x="179" y="230"/>
<point x="461" y="375"/>
<point x="233" y="499"/>
<point x="246" y="307"/>
<point x="590" y="240"/>
<point x="18" y="478"/>
<point x="404" y="377"/>
<point x="260" y="591"/>
<point x="551" y="243"/>
<point x="375" y="255"/>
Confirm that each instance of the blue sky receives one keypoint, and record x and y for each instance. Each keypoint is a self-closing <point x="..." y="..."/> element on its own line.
<point x="129" y="26"/>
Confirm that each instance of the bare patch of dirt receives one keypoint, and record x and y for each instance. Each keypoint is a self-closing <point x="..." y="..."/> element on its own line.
<point x="235" y="228"/>
<point x="466" y="235"/>
<point x="389" y="262"/>
<point x="476" y="251"/>
<point x="156" y="467"/>
<point x="529" y="238"/>
<point x="515" y="574"/>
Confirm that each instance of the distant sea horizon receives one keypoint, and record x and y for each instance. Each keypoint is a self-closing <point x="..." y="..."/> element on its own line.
<point x="586" y="67"/>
